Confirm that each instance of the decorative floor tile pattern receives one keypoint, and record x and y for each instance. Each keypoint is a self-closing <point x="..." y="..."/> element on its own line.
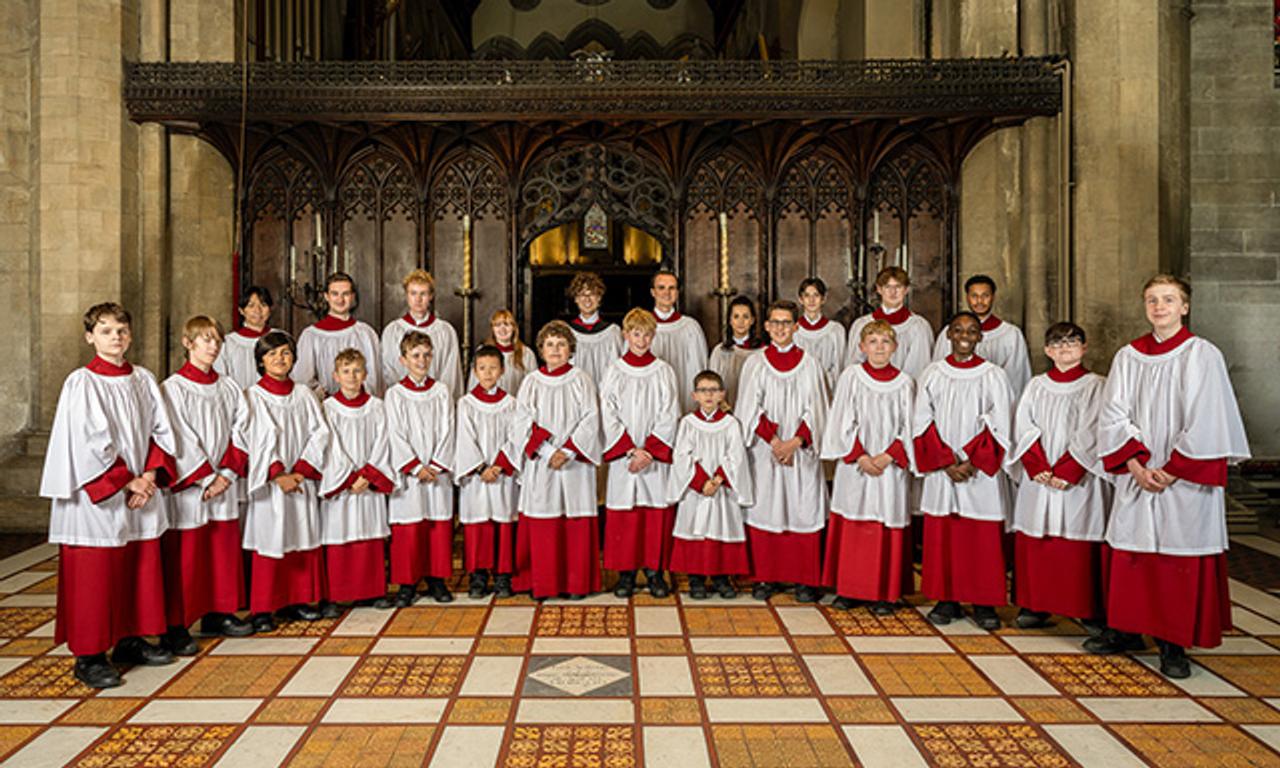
<point x="13" y="735"/>
<point x="222" y="677"/>
<point x="46" y="677"/>
<point x="1259" y="675"/>
<point x="405" y="676"/>
<point x="583" y="621"/>
<point x="290" y="711"/>
<point x="728" y="622"/>
<point x="926" y="675"/>
<point x="655" y="711"/>
<point x="1196" y="745"/>
<point x="860" y="710"/>
<point x="764" y="746"/>
<point x="302" y="628"/>
<point x="26" y="646"/>
<point x="1043" y="709"/>
<point x="572" y="746"/>
<point x="158" y="746"/>
<point x="1237" y="710"/>
<point x="101" y="711"/>
<point x="862" y="622"/>
<point x="344" y="646"/>
<point x="436" y="622"/>
<point x="15" y="622"/>
<point x="989" y="746"/>
<point x="1080" y="674"/>
<point x="751" y="676"/>
<point x="340" y="746"/>
<point x="480" y="711"/>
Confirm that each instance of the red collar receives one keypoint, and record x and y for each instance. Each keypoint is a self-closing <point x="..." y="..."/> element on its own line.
<point x="1074" y="373"/>
<point x="718" y="415"/>
<point x="887" y="373"/>
<point x="972" y="362"/>
<point x="408" y="384"/>
<point x="331" y="323"/>
<point x="750" y="343"/>
<point x="275" y="386"/>
<point x="991" y="323"/>
<point x="896" y="317"/>
<point x="354" y="402"/>
<point x="562" y="370"/>
<point x="192" y="373"/>
<point x="249" y="333"/>
<point x="578" y="322"/>
<point x="808" y="326"/>
<point x="408" y="318"/>
<point x="674" y="317"/>
<point x="478" y="393"/>
<point x="104" y="368"/>
<point x="638" y="361"/>
<point x="1148" y="345"/>
<point x="784" y="361"/>
<point x="505" y="349"/>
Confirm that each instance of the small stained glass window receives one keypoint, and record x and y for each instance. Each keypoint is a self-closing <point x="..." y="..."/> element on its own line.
<point x="595" y="228"/>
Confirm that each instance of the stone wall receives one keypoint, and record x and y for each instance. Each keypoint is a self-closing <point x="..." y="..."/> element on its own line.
<point x="1235" y="203"/>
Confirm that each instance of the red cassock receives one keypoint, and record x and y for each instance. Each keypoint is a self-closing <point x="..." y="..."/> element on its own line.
<point x="568" y="550"/>
<point x="489" y="546"/>
<point x="867" y="560"/>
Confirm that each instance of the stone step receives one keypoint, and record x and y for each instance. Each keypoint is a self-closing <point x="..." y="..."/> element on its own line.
<point x="20" y="476"/>
<point x="23" y="514"/>
<point x="1240" y="518"/>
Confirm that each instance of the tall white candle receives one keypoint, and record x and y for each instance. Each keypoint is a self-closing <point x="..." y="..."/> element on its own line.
<point x="293" y="265"/>
<point x="875" y="237"/>
<point x="724" y="251"/>
<point x="319" y="232"/>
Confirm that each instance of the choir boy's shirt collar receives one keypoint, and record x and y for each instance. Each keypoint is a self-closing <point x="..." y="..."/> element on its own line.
<point x="276" y="386"/>
<point x="973" y="362"/>
<point x="334" y="323"/>
<point x="192" y="373"/>
<point x="717" y="415"/>
<point x="104" y="368"/>
<point x="426" y="321"/>
<point x="1150" y="345"/>
<point x="784" y="359"/>
<point x="745" y="342"/>
<point x="484" y="396"/>
<point x="591" y="324"/>
<point x="505" y="349"/>
<point x="1074" y="373"/>
<point x="408" y="383"/>
<point x="669" y="317"/>
<point x="351" y="402"/>
<point x="562" y="370"/>
<point x="637" y="361"/>
<point x="991" y="322"/>
<point x="887" y="373"/>
<point x="815" y="325"/>
<point x="896" y="317"/>
<point x="250" y="333"/>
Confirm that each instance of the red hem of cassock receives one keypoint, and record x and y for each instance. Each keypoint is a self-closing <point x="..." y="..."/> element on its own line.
<point x="108" y="593"/>
<point x="490" y="546"/>
<point x="866" y="560"/>
<point x="421" y="550"/>
<point x="709" y="557"/>
<point x="1057" y="575"/>
<point x="557" y="555"/>
<point x="964" y="560"/>
<point x="298" y="577"/>
<point x="1181" y="599"/>
<point x="356" y="570"/>
<point x="639" y="537"/>
<point x="791" y="557"/>
<point x="203" y="571"/>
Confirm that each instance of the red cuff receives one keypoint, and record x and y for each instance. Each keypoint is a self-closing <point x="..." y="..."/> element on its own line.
<point x="504" y="464"/>
<point x="437" y="466"/>
<point x="620" y="448"/>
<point x="306" y="470"/>
<point x="898" y="454"/>
<point x="806" y="437"/>
<point x="659" y="450"/>
<point x="536" y="439"/>
<point x="275" y="470"/>
<point x="700" y="478"/>
<point x="1115" y="462"/>
<point x="109" y="483"/>
<point x="162" y="464"/>
<point x="568" y="445"/>
<point x="931" y="453"/>
<point x="346" y="484"/>
<point x="1034" y="461"/>
<point x="377" y="481"/>
<point x="985" y="453"/>
<point x="766" y="429"/>
<point x="856" y="452"/>
<point x="235" y="460"/>
<point x="723" y="477"/>
<point x="1200" y="471"/>
<point x="200" y="473"/>
<point x="1067" y="468"/>
<point x="411" y="468"/>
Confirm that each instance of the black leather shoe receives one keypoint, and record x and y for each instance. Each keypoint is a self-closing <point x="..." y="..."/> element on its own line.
<point x="945" y="612"/>
<point x="134" y="651"/>
<point x="698" y="587"/>
<point x="724" y="587"/>
<point x="806" y="594"/>
<point x="95" y="672"/>
<point x="262" y="622"/>
<point x="626" y="586"/>
<point x="179" y="642"/>
<point x="575" y="596"/>
<point x="225" y="624"/>
<point x="407" y="595"/>
<point x="985" y="617"/>
<point x="1029" y="619"/>
<point x="502" y="585"/>
<point x="844" y="603"/>
<point x="381" y="603"/>
<point x="883" y="608"/>
<point x="299" y="612"/>
<point x="762" y="590"/>
<point x="1111" y="641"/>
<point x="330" y="610"/>
<point x="438" y="591"/>
<point x="1173" y="661"/>
<point x="478" y="585"/>
<point x="657" y="584"/>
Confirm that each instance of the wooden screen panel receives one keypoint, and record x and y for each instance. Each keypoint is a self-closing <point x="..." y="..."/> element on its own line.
<point x="926" y="246"/>
<point x="702" y="265"/>
<point x="446" y="267"/>
<point x="834" y="247"/>
<point x="269" y="266"/>
<point x="492" y="273"/>
<point x="399" y="257"/>
<point x="792" y="251"/>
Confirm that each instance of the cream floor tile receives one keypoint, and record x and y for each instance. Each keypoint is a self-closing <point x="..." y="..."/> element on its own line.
<point x="664" y="676"/>
<point x="57" y="650"/>
<point x="44" y="630"/>
<point x="145" y="681"/>
<point x="751" y="710"/>
<point x="955" y="709"/>
<point x="319" y="676"/>
<point x="657" y="620"/>
<point x="1260" y="543"/>
<point x="54" y="748"/>
<point x="196" y="711"/>
<point x="1255" y="599"/>
<point x="21" y="580"/>
<point x="264" y="646"/>
<point x="363" y="622"/>
<point x="675" y="747"/>
<point x="1273" y="702"/>
<point x="510" y="620"/>
<point x="1237" y="646"/>
<point x="899" y="645"/>
<point x="7" y="665"/>
<point x="804" y="620"/>
<point x="964" y="626"/>
<point x="24" y="711"/>
<point x="492" y="676"/>
<point x="594" y="711"/>
<point x="1136" y="710"/>
<point x="883" y="746"/>
<point x="1267" y="734"/>
<point x="1093" y="747"/>
<point x="29" y="601"/>
<point x="27" y="558"/>
<point x="1248" y="621"/>
<point x="473" y="602"/>
<point x="262" y="746"/>
<point x="385" y="711"/>
<point x="744" y="596"/>
<point x="600" y="598"/>
<point x="590" y="645"/>
<point x="1013" y="676"/>
<point x="839" y="676"/>
<point x="1044" y="644"/>
<point x="1201" y="683"/>
<point x="739" y="645"/>
<point x="468" y="746"/>
<point x="444" y="646"/>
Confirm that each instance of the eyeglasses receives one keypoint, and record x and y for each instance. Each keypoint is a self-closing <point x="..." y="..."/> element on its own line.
<point x="779" y="322"/>
<point x="708" y="390"/>
<point x="1064" y="343"/>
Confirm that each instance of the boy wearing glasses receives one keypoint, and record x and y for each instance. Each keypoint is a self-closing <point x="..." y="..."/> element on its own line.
<point x="1060" y="512"/>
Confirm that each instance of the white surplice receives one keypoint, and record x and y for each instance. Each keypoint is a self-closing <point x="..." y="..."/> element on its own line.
<point x="446" y="364"/>
<point x="825" y="341"/>
<point x="638" y="400"/>
<point x="679" y="342"/>
<point x="420" y="427"/>
<point x="597" y="345"/>
<point x="728" y="363"/>
<point x="1002" y="344"/>
<point x="915" y="340"/>
<point x="717" y="444"/>
<point x="358" y="439"/>
<point x="512" y="375"/>
<point x="318" y="347"/>
<point x="207" y="419"/>
<point x="485" y="429"/>
<point x="236" y="359"/>
<point x="564" y="405"/>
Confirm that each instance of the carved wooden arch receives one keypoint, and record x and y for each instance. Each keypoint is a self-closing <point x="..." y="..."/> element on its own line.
<point x="722" y="181"/>
<point x="909" y="180"/>
<point x="377" y="183"/>
<point x="284" y="182"/>
<point x="469" y="180"/>
<point x="812" y="181"/>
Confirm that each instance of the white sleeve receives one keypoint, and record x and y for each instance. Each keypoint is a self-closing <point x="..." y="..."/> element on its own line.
<point x="841" y="431"/>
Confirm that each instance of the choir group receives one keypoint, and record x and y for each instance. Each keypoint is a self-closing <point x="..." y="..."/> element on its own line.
<point x="294" y="477"/>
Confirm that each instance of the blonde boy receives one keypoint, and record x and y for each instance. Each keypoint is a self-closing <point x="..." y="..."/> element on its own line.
<point x="419" y="296"/>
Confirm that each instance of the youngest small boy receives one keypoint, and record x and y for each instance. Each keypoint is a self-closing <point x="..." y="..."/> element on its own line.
<point x="485" y="475"/>
<point x="710" y="481"/>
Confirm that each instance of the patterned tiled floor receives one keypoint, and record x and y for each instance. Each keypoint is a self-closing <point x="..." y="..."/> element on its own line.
<point x="608" y="683"/>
